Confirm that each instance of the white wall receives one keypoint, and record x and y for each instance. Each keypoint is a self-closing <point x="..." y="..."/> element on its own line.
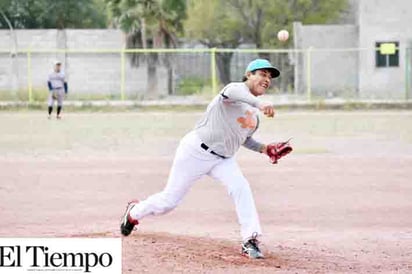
<point x="377" y="21"/>
<point x="332" y="72"/>
<point x="383" y="20"/>
<point x="91" y="73"/>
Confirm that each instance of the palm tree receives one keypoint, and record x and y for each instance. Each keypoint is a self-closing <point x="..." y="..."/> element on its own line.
<point x="149" y="24"/>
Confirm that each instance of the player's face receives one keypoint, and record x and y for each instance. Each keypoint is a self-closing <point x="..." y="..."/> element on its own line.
<point x="259" y="81"/>
<point x="57" y="67"/>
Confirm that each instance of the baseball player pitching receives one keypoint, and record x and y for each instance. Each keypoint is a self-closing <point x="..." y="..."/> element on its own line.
<point x="229" y="122"/>
<point x="57" y="89"/>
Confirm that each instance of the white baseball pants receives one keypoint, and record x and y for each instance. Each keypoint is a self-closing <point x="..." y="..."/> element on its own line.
<point x="190" y="164"/>
<point x="59" y="93"/>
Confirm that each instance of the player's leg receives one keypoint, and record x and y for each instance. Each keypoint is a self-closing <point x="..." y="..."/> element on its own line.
<point x="183" y="174"/>
<point x="229" y="173"/>
<point x="60" y="96"/>
<point x="190" y="163"/>
<point x="50" y="102"/>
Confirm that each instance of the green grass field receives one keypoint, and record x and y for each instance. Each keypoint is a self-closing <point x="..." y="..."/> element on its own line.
<point x="127" y="133"/>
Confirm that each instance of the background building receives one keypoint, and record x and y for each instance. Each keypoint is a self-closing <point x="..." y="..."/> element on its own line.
<point x="369" y="57"/>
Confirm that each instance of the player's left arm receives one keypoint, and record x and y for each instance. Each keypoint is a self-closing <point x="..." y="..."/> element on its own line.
<point x="66" y="87"/>
<point x="254" y="145"/>
<point x="49" y="84"/>
<point x="251" y="143"/>
<point x="274" y="151"/>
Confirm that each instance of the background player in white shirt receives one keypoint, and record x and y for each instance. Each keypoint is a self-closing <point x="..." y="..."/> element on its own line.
<point x="57" y="89"/>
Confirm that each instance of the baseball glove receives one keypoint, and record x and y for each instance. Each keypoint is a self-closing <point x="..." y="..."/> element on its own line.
<point x="275" y="151"/>
<point x="54" y="95"/>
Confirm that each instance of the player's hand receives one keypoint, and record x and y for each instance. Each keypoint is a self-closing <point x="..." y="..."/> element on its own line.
<point x="275" y="151"/>
<point x="267" y="109"/>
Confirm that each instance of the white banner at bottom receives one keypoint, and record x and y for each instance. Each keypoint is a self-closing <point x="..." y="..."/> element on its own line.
<point x="61" y="255"/>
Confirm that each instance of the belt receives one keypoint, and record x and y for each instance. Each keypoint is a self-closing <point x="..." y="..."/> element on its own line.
<point x="205" y="147"/>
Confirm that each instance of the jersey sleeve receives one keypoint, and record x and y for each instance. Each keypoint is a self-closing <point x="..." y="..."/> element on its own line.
<point x="49" y="84"/>
<point x="252" y="144"/>
<point x="234" y="93"/>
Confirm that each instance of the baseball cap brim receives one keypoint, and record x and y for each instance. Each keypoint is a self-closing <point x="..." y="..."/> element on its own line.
<point x="274" y="72"/>
<point x="263" y="64"/>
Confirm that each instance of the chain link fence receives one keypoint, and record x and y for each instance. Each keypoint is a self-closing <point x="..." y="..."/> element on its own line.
<point x="408" y="74"/>
<point x="137" y="74"/>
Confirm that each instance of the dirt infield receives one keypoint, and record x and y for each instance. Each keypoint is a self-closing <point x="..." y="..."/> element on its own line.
<point x="341" y="203"/>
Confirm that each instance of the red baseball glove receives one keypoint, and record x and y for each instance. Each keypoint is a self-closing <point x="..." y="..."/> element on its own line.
<point x="275" y="151"/>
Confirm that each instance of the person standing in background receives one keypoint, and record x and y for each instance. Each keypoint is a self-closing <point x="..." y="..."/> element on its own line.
<point x="57" y="89"/>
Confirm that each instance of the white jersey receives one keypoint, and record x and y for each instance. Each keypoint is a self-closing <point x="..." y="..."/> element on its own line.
<point x="57" y="80"/>
<point x="230" y="120"/>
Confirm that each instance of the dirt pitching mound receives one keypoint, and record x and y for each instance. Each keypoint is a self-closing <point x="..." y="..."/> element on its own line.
<point x="166" y="253"/>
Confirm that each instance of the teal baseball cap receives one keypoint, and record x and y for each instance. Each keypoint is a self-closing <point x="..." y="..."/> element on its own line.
<point x="263" y="64"/>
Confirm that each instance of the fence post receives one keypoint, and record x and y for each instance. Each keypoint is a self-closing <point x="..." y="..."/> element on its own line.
<point x="122" y="74"/>
<point x="213" y="69"/>
<point x="308" y="74"/>
<point x="29" y="76"/>
<point x="407" y="73"/>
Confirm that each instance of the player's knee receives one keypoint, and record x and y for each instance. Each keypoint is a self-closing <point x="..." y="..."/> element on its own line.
<point x="168" y="207"/>
<point x="169" y="203"/>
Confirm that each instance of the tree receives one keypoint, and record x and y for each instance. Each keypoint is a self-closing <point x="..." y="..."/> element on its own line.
<point x="227" y="23"/>
<point x="214" y="24"/>
<point x="149" y="24"/>
<point x="60" y="14"/>
<point x="262" y="19"/>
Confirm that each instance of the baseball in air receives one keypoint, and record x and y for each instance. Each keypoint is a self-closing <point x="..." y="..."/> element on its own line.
<point x="283" y="35"/>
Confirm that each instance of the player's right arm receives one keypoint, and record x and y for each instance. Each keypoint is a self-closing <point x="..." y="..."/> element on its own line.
<point x="234" y="93"/>
<point x="49" y="84"/>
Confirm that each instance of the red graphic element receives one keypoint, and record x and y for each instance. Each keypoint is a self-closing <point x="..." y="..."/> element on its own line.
<point x="248" y="121"/>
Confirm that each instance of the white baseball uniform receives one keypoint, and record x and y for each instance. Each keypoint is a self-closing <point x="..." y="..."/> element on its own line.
<point x="56" y="81"/>
<point x="230" y="120"/>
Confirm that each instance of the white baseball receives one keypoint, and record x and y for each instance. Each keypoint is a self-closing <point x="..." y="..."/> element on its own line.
<point x="283" y="35"/>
